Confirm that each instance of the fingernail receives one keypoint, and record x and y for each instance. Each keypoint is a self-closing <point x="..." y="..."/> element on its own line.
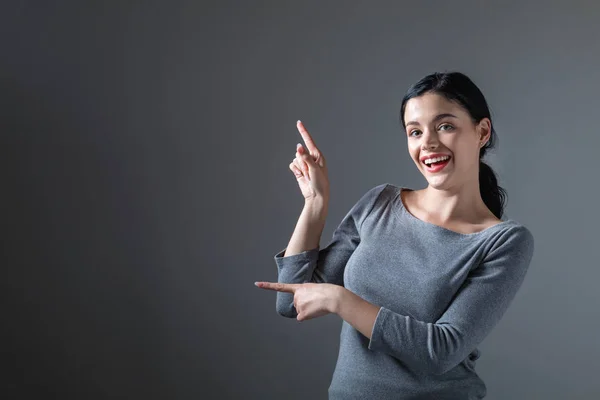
<point x="298" y="121"/>
<point x="255" y="283"/>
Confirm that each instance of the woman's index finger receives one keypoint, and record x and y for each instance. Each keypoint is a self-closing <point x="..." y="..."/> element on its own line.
<point x="280" y="287"/>
<point x="306" y="137"/>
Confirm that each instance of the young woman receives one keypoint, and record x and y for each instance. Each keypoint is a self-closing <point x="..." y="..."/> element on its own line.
<point x="419" y="277"/>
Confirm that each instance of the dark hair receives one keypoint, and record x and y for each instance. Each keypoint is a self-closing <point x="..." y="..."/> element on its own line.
<point x="457" y="87"/>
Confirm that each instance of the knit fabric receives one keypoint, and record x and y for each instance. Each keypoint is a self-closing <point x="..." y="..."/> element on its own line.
<point x="440" y="294"/>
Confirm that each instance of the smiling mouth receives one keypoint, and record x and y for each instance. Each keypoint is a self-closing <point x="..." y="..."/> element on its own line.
<point x="438" y="162"/>
<point x="436" y="166"/>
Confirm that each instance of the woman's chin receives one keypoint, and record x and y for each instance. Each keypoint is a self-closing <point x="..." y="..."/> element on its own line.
<point x="438" y="182"/>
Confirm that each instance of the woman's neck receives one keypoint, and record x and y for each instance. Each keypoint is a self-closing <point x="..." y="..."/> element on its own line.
<point x="461" y="204"/>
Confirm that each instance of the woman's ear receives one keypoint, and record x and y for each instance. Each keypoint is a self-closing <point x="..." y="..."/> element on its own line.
<point x="484" y="129"/>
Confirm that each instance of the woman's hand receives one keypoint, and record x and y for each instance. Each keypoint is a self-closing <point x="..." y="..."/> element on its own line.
<point x="311" y="300"/>
<point x="310" y="169"/>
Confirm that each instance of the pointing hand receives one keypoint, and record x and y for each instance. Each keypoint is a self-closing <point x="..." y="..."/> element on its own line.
<point x="309" y="168"/>
<point x="311" y="300"/>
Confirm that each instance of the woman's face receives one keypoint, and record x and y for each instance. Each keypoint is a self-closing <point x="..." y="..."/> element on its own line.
<point x="435" y="125"/>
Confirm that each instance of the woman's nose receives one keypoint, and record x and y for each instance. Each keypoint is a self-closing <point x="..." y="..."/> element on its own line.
<point x="429" y="140"/>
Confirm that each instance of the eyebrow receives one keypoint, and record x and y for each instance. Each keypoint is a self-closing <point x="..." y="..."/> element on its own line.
<point x="437" y="118"/>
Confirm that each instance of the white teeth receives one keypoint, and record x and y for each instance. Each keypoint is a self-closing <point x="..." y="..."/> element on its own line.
<point x="432" y="160"/>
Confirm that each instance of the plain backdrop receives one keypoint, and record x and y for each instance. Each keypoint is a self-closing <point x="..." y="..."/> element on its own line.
<point x="145" y="184"/>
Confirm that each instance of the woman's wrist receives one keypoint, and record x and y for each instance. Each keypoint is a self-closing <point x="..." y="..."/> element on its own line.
<point x="316" y="208"/>
<point x="337" y="298"/>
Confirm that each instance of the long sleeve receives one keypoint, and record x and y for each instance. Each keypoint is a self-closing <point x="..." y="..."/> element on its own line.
<point x="324" y="265"/>
<point x="436" y="347"/>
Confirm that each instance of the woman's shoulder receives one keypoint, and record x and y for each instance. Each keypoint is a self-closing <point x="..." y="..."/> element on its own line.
<point x="513" y="236"/>
<point x="385" y="188"/>
<point x="373" y="198"/>
<point x="374" y="192"/>
<point x="382" y="193"/>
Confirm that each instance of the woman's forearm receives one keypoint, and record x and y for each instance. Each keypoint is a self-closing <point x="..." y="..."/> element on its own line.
<point x="356" y="311"/>
<point x="309" y="227"/>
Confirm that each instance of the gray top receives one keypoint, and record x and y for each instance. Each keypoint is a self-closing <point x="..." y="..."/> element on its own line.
<point x="440" y="294"/>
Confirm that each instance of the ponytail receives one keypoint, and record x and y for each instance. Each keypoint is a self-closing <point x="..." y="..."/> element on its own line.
<point x="493" y="195"/>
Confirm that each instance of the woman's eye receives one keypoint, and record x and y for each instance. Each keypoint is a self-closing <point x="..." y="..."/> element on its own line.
<point x="447" y="127"/>
<point x="411" y="132"/>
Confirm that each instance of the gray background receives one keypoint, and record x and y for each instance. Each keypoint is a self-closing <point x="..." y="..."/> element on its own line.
<point x="145" y="151"/>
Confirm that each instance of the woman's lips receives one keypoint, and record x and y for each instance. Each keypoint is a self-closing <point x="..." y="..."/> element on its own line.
<point x="437" y="167"/>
